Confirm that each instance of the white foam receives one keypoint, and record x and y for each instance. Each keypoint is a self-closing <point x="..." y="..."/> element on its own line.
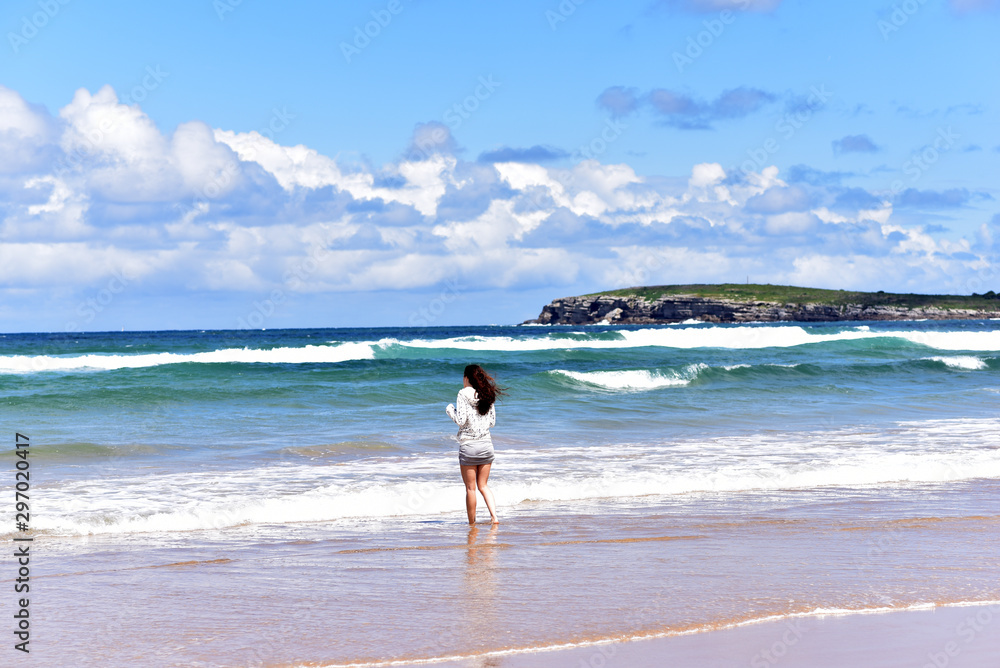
<point x="983" y="341"/>
<point x="731" y="337"/>
<point x="655" y="479"/>
<point x="303" y="355"/>
<point x="961" y="362"/>
<point x="629" y="380"/>
<point x="735" y="338"/>
<point x="910" y="454"/>
<point x="732" y="367"/>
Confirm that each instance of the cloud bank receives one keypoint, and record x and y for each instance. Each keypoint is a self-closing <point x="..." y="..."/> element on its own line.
<point x="97" y="191"/>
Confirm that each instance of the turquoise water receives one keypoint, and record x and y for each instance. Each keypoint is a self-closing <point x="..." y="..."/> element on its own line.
<point x="335" y="404"/>
<point x="212" y="484"/>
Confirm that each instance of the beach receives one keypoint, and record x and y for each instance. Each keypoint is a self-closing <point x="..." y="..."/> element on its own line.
<point x="949" y="636"/>
<point x="755" y="495"/>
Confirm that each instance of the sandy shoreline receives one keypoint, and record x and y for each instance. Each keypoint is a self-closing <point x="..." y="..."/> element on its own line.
<point x="438" y="593"/>
<point x="941" y="637"/>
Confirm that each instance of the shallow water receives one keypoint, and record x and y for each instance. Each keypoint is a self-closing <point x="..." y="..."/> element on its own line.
<point x="381" y="590"/>
<point x="267" y="498"/>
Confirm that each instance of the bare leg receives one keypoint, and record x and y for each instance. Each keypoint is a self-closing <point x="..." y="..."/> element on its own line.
<point x="469" y="477"/>
<point x="482" y="477"/>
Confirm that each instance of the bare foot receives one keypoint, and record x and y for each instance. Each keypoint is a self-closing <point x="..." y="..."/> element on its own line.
<point x="495" y="521"/>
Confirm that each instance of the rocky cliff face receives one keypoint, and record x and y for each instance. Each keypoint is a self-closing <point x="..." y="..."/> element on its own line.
<point x="678" y="308"/>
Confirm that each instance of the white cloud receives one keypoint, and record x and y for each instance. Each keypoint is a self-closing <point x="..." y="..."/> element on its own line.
<point x="59" y="194"/>
<point x="228" y="274"/>
<point x="779" y="200"/>
<point x="292" y="166"/>
<point x="203" y="209"/>
<point x="493" y="229"/>
<point x="99" y="123"/>
<point x="203" y="163"/>
<point x="24" y="134"/>
<point x="61" y="216"/>
<point x="303" y="167"/>
<point x="705" y="175"/>
<point x="56" y="264"/>
<point x="793" y="222"/>
<point x="124" y="157"/>
<point x="17" y="117"/>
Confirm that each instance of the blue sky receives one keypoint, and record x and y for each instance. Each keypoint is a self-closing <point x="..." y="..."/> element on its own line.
<point x="223" y="164"/>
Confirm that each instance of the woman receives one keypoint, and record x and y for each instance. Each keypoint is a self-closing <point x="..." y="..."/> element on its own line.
<point x="474" y="412"/>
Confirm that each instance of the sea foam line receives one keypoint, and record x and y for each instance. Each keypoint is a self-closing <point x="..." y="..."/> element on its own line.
<point x="304" y="355"/>
<point x="967" y="362"/>
<point x="734" y="338"/>
<point x="151" y="503"/>
<point x="729" y="337"/>
<point x="633" y="380"/>
<point x="641" y="380"/>
<point x="669" y="633"/>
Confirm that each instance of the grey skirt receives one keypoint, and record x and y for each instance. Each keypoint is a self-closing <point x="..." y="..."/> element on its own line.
<point x="476" y="452"/>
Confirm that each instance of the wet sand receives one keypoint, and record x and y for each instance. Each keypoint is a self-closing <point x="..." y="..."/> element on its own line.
<point x="388" y="592"/>
<point x="944" y="637"/>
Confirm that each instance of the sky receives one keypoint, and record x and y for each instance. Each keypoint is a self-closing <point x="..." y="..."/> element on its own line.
<point x="233" y="164"/>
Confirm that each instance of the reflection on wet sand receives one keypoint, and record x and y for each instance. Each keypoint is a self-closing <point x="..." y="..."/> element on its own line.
<point x="480" y="601"/>
<point x="382" y="594"/>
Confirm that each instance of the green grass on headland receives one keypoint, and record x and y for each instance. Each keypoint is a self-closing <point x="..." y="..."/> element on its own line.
<point x="788" y="294"/>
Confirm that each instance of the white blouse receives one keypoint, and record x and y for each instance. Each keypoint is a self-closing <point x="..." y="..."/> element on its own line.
<point x="471" y="425"/>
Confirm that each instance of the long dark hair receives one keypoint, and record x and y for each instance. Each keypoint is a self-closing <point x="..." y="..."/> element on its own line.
<point x="485" y="387"/>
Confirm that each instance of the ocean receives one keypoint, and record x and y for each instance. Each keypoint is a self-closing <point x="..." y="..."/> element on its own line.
<point x="292" y="497"/>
